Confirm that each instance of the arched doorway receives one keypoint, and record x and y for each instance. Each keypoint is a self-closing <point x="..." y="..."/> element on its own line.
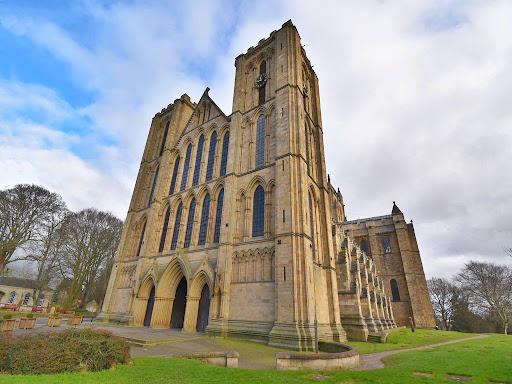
<point x="149" y="308"/>
<point x="179" y="305"/>
<point x="204" y="309"/>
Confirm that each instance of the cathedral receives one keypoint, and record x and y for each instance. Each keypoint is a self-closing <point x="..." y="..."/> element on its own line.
<point x="235" y="230"/>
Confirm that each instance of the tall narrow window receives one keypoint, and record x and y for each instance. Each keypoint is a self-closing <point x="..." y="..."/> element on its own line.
<point x="218" y="217"/>
<point x="224" y="159"/>
<point x="211" y="156"/>
<point x="162" y="147"/>
<point x="177" y="223"/>
<point x="186" y="167"/>
<point x="364" y="246"/>
<point x="263" y="72"/>
<point x="258" y="212"/>
<point x="174" y="175"/>
<point x="155" y="179"/>
<point x="385" y="245"/>
<point x="394" y="290"/>
<point x="141" y="240"/>
<point x="307" y="145"/>
<point x="41" y="301"/>
<point x="164" y="230"/>
<point x="260" y="141"/>
<point x="203" y="227"/>
<point x="26" y="299"/>
<point x="190" y="223"/>
<point x="199" y="157"/>
<point x="312" y="227"/>
<point x="12" y="296"/>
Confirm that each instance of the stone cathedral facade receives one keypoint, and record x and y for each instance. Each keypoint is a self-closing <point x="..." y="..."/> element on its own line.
<point x="234" y="228"/>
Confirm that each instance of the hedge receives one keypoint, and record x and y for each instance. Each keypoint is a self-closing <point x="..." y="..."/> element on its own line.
<point x="70" y="350"/>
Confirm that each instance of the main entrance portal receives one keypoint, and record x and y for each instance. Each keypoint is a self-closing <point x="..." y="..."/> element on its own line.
<point x="179" y="305"/>
<point x="149" y="308"/>
<point x="204" y="309"/>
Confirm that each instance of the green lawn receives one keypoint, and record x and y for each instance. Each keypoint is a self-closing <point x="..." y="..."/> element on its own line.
<point x="404" y="338"/>
<point x="487" y="359"/>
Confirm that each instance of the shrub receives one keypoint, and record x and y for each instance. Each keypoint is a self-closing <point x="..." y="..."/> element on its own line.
<point x="56" y="314"/>
<point x="71" y="350"/>
<point x="7" y="316"/>
<point x="30" y="316"/>
<point x="78" y="314"/>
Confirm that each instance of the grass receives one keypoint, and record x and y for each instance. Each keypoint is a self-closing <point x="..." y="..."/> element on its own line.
<point x="404" y="338"/>
<point x="486" y="360"/>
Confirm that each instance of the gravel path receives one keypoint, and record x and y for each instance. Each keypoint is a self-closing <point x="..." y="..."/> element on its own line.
<point x="374" y="360"/>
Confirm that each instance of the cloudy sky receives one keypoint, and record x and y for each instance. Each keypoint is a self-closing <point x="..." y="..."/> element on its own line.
<point x="416" y="101"/>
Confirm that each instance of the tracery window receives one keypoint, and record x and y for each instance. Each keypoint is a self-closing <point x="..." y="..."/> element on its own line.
<point x="141" y="240"/>
<point x="174" y="175"/>
<point x="260" y="141"/>
<point x="218" y="217"/>
<point x="41" y="301"/>
<point x="261" y="95"/>
<point x="211" y="156"/>
<point x="176" y="231"/>
<point x="394" y="290"/>
<point x="312" y="227"/>
<point x="155" y="179"/>
<point x="258" y="212"/>
<point x="190" y="223"/>
<point x="364" y="246"/>
<point x="12" y="296"/>
<point x="205" y="214"/>
<point x="164" y="139"/>
<point x="199" y="156"/>
<point x="186" y="167"/>
<point x="224" y="159"/>
<point x="26" y="299"/>
<point x="385" y="245"/>
<point x="164" y="229"/>
<point x="307" y="145"/>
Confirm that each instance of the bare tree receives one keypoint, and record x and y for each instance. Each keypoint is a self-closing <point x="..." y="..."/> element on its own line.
<point x="489" y="288"/>
<point x="443" y="295"/>
<point x="47" y="251"/>
<point x="22" y="209"/>
<point x="92" y="237"/>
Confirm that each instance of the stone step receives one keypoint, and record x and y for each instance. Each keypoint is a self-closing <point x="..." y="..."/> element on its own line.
<point x="373" y="338"/>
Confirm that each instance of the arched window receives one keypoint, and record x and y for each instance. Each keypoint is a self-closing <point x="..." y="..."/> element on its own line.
<point x="364" y="247"/>
<point x="260" y="141"/>
<point x="164" y="139"/>
<point x="190" y="223"/>
<point x="176" y="231"/>
<point x="224" y="159"/>
<point x="186" y="167"/>
<point x="394" y="290"/>
<point x="307" y="145"/>
<point x="12" y="296"/>
<point x="174" y="175"/>
<point x="41" y="301"/>
<point x="203" y="227"/>
<point x="199" y="156"/>
<point x="164" y="229"/>
<point x="218" y="217"/>
<point x="211" y="156"/>
<point x="141" y="240"/>
<point x="26" y="299"/>
<point x="385" y="245"/>
<point x="258" y="212"/>
<point x="312" y="227"/>
<point x="263" y="71"/>
<point x="155" y="179"/>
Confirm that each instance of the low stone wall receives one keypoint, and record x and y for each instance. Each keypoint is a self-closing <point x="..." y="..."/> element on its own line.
<point x="220" y="359"/>
<point x="384" y="335"/>
<point x="339" y="356"/>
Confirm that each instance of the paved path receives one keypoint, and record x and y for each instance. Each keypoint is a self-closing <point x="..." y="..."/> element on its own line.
<point x="374" y="360"/>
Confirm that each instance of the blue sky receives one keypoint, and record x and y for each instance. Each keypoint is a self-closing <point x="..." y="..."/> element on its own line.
<point x="415" y="101"/>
